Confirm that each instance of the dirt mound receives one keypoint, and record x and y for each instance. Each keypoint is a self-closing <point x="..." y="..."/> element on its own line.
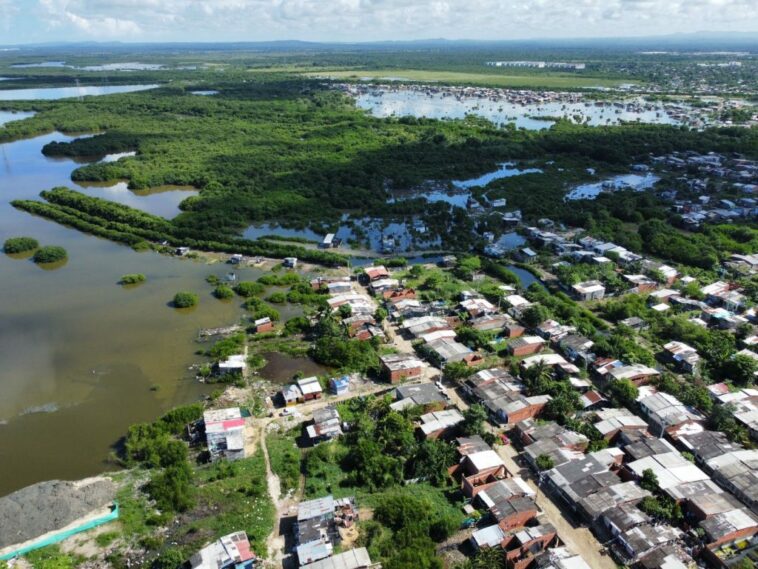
<point x="48" y="506"/>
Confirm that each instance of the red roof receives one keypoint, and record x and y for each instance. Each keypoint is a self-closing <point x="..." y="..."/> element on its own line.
<point x="245" y="552"/>
<point x="232" y="423"/>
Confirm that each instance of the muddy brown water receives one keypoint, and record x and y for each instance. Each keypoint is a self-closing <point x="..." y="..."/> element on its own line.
<point x="82" y="358"/>
<point x="280" y="368"/>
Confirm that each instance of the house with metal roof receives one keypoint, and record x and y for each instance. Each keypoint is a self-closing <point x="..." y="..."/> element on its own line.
<point x="224" y="433"/>
<point x="228" y="552"/>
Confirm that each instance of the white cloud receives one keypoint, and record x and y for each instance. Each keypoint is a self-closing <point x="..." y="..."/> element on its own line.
<point x="357" y="20"/>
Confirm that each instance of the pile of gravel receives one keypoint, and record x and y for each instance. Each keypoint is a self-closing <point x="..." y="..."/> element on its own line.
<point x="49" y="506"/>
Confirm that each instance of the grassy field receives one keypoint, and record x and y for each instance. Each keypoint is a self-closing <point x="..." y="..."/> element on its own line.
<point x="285" y="458"/>
<point x="547" y="80"/>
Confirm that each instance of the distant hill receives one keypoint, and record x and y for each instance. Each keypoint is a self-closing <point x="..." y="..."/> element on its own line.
<point x="743" y="41"/>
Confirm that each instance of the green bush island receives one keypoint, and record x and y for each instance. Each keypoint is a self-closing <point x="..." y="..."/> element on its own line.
<point x="185" y="299"/>
<point x="50" y="254"/>
<point x="20" y="245"/>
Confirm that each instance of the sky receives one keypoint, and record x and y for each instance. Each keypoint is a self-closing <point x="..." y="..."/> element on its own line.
<point x="33" y="21"/>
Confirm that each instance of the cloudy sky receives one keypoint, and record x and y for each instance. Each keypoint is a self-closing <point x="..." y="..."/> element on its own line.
<point x="24" y="21"/>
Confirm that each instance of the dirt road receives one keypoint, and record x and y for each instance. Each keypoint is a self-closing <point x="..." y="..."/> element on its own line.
<point x="579" y="540"/>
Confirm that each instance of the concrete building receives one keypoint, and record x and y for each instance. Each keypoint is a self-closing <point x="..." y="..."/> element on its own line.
<point x="228" y="552"/>
<point x="588" y="290"/>
<point x="310" y="387"/>
<point x="399" y="367"/>
<point x="224" y="433"/>
<point x="326" y="425"/>
<point x="439" y="423"/>
<point x="425" y="395"/>
<point x="525" y="346"/>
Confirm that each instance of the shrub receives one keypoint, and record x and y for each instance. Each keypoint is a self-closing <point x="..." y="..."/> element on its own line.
<point x="223" y="292"/>
<point x="248" y="289"/>
<point x="50" y="254"/>
<point x="20" y="245"/>
<point x="545" y="462"/>
<point x="185" y="299"/>
<point x="132" y="278"/>
<point x="277" y="298"/>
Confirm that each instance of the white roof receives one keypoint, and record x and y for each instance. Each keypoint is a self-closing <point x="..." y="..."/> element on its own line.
<point x="309" y="385"/>
<point x="485" y="459"/>
<point x="219" y="415"/>
<point x="433" y="422"/>
<point x="517" y="300"/>
<point x="589" y="287"/>
<point x="490" y="536"/>
<point x="547" y="359"/>
<point x="437" y="335"/>
<point x="672" y="469"/>
<point x="233" y="362"/>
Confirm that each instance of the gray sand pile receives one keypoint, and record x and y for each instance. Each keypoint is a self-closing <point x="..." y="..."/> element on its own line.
<point x="49" y="506"/>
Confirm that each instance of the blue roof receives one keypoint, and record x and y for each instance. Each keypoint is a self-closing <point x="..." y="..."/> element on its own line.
<point x="340" y="381"/>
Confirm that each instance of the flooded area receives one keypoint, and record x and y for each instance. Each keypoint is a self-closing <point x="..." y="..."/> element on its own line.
<point x="9" y="116"/>
<point x="637" y="182"/>
<point x="506" y="170"/>
<point x="390" y="236"/>
<point x="207" y="93"/>
<point x="127" y="66"/>
<point x="53" y="93"/>
<point x="84" y="358"/>
<point x="163" y="200"/>
<point x="280" y="368"/>
<point x="530" y="110"/>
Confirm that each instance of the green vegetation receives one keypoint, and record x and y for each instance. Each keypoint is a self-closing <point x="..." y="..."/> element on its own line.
<point x="321" y="158"/>
<point x="52" y="557"/>
<point x="185" y="299"/>
<point x="194" y="503"/>
<point x="285" y="458"/>
<point x="132" y="279"/>
<point x="228" y="346"/>
<point x="259" y="309"/>
<point x="16" y="245"/>
<point x="547" y="80"/>
<point x="223" y="292"/>
<point x="249" y="288"/>
<point x="544" y="462"/>
<point x="407" y="523"/>
<point x="50" y="254"/>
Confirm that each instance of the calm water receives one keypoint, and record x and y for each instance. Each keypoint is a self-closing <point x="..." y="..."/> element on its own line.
<point x="506" y="170"/>
<point x="8" y="116"/>
<point x="163" y="200"/>
<point x="280" y="368"/>
<point x="128" y="66"/>
<point x="634" y="181"/>
<point x="525" y="277"/>
<point x="80" y="354"/>
<point x="408" y="102"/>
<point x="50" y="93"/>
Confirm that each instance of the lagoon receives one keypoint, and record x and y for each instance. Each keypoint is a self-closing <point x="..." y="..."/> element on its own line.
<point x="83" y="358"/>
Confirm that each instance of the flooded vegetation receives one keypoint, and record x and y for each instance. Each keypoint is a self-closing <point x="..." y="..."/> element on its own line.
<point x="532" y="110"/>
<point x="637" y="182"/>
<point x="8" y="116"/>
<point x="281" y="368"/>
